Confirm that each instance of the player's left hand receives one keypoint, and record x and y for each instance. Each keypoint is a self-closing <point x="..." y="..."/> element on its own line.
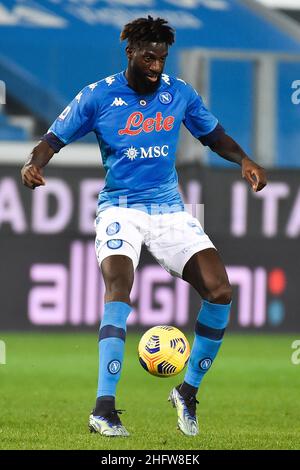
<point x="254" y="174"/>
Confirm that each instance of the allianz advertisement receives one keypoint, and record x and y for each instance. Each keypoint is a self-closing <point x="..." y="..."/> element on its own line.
<point x="50" y="277"/>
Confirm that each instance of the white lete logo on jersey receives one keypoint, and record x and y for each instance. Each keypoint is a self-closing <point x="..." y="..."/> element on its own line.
<point x="118" y="102"/>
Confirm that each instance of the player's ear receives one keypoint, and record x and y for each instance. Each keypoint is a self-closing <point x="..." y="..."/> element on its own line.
<point x="129" y="52"/>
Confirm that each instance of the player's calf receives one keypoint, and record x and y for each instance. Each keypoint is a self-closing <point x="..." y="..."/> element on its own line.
<point x="221" y="294"/>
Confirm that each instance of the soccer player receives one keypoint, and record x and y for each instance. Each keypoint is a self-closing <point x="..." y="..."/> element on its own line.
<point x="136" y="116"/>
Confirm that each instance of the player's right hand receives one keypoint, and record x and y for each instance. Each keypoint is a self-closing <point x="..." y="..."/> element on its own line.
<point x="32" y="176"/>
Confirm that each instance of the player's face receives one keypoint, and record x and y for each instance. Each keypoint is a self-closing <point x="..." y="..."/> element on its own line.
<point x="146" y="64"/>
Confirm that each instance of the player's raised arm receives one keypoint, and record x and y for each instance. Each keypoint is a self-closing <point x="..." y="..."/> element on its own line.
<point x="76" y="120"/>
<point x="32" y="173"/>
<point x="227" y="148"/>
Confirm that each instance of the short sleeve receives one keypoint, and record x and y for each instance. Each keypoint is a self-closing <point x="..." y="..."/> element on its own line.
<point x="198" y="120"/>
<point x="77" y="119"/>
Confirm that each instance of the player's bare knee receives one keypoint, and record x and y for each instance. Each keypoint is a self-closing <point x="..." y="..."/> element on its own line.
<point x="221" y="294"/>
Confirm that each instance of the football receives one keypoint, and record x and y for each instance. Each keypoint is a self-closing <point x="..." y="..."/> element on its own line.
<point x="163" y="351"/>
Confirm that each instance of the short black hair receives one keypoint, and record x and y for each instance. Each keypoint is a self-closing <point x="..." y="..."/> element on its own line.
<point x="148" y="30"/>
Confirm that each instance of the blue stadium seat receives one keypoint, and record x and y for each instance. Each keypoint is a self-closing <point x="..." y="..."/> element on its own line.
<point x="10" y="132"/>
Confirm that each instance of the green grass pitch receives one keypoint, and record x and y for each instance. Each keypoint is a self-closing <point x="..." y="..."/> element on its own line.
<point x="249" y="399"/>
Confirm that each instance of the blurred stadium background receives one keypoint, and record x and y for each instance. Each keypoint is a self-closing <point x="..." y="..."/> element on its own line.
<point x="243" y="57"/>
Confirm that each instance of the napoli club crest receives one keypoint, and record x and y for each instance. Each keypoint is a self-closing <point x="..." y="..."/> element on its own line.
<point x="205" y="363"/>
<point x="114" y="367"/>
<point x="165" y="97"/>
<point x="113" y="228"/>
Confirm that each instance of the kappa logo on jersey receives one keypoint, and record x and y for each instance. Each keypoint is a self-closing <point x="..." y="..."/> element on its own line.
<point x="166" y="78"/>
<point x="110" y="80"/>
<point x="165" y="97"/>
<point x="78" y="97"/>
<point x="118" y="102"/>
<point x="136" y="123"/>
<point x="92" y="86"/>
<point x="151" y="152"/>
<point x="65" y="113"/>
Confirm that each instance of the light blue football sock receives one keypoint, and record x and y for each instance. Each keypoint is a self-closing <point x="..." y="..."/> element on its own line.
<point x="112" y="336"/>
<point x="209" y="330"/>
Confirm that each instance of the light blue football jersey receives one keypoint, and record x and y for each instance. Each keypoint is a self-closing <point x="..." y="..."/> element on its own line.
<point x="137" y="135"/>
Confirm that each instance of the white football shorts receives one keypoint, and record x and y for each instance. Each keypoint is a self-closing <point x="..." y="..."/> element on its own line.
<point x="172" y="238"/>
